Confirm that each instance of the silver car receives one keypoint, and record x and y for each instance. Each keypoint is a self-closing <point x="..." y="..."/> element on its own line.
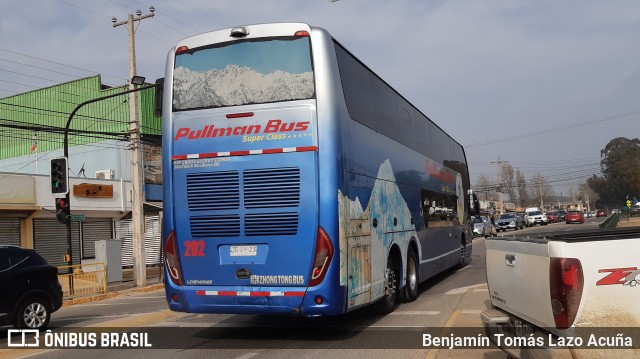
<point x="482" y="227"/>
<point x="509" y="221"/>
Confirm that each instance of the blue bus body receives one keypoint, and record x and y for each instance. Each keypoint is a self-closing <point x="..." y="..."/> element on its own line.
<point x="298" y="182"/>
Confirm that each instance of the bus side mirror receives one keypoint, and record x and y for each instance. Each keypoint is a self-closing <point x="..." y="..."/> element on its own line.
<point x="157" y="101"/>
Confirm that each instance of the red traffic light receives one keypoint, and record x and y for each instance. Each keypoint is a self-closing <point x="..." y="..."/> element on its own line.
<point x="62" y="210"/>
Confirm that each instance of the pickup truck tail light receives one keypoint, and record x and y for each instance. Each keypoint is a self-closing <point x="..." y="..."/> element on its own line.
<point x="567" y="281"/>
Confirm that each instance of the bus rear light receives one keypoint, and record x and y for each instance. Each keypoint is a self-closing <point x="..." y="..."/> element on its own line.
<point x="566" y="281"/>
<point x="239" y="115"/>
<point x="301" y="33"/>
<point x="181" y="49"/>
<point x="171" y="259"/>
<point x="322" y="258"/>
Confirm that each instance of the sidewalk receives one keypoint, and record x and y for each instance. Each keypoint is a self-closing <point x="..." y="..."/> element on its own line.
<point x="629" y="222"/>
<point x="154" y="282"/>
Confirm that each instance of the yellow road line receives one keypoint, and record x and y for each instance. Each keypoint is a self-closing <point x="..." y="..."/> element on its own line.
<point x="431" y="354"/>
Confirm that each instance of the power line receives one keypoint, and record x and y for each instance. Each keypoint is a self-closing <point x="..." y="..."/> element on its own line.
<point x="61" y="64"/>
<point x="170" y="17"/>
<point x="560" y="128"/>
<point x="85" y="9"/>
<point x="155" y="19"/>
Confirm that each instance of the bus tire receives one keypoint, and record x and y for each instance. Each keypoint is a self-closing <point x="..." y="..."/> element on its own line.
<point x="413" y="276"/>
<point x="387" y="303"/>
<point x="463" y="254"/>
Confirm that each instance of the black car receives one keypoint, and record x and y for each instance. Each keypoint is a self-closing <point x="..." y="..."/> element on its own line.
<point x="562" y="215"/>
<point x="30" y="288"/>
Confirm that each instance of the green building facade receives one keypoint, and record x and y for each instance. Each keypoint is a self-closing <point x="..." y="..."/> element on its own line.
<point x="38" y="117"/>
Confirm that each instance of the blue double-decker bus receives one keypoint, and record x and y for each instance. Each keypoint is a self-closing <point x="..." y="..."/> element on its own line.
<point x="297" y="181"/>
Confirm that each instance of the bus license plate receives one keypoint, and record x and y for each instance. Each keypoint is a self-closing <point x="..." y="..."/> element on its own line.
<point x="244" y="251"/>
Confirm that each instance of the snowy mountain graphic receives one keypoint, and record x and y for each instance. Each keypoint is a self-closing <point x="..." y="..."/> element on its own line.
<point x="386" y="204"/>
<point x="237" y="85"/>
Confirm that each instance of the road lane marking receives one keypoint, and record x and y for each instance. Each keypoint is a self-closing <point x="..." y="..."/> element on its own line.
<point x="452" y="319"/>
<point x="432" y="353"/>
<point x="463" y="290"/>
<point x="472" y="311"/>
<point x="415" y="312"/>
<point x="85" y="318"/>
<point x="247" y="356"/>
<point x="108" y="304"/>
<point x="142" y="297"/>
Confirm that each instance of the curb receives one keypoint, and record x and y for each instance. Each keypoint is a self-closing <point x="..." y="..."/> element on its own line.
<point x="99" y="297"/>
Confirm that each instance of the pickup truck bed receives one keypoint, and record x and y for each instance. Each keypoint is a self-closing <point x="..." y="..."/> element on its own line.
<point x="556" y="283"/>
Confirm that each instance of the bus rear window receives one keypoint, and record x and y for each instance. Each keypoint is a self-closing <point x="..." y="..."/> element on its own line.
<point x="243" y="72"/>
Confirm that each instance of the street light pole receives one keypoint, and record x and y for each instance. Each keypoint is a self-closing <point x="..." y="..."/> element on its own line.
<point x="66" y="153"/>
<point x="137" y="197"/>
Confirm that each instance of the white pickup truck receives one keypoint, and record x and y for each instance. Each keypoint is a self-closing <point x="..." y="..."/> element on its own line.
<point x="568" y="295"/>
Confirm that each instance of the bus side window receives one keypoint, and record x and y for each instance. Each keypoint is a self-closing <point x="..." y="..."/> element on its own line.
<point x="426" y="206"/>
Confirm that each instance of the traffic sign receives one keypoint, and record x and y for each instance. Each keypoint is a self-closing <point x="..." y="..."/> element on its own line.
<point x="77" y="217"/>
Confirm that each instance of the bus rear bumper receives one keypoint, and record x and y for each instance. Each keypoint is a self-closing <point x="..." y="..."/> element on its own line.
<point x="242" y="300"/>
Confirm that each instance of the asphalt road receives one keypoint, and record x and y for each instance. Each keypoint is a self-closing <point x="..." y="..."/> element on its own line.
<point x="451" y="300"/>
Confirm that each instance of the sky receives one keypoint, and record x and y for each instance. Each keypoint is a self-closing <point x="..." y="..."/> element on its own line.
<point x="541" y="84"/>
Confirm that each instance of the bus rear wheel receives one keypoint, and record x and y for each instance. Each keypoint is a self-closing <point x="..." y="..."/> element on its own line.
<point x="413" y="276"/>
<point x="388" y="301"/>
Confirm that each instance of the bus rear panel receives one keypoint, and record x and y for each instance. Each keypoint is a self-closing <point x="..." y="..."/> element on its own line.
<point x="243" y="234"/>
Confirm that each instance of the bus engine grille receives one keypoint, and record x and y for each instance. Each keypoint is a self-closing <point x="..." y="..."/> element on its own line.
<point x="213" y="190"/>
<point x="258" y="202"/>
<point x="272" y="187"/>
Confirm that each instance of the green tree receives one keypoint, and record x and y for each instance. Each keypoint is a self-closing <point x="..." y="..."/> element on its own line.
<point x="620" y="167"/>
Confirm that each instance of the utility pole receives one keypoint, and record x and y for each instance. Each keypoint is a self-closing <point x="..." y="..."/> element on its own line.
<point x="137" y="197"/>
<point x="500" y="184"/>
<point x="540" y="194"/>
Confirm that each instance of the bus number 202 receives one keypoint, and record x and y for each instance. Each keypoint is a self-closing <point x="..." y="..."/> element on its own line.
<point x="194" y="248"/>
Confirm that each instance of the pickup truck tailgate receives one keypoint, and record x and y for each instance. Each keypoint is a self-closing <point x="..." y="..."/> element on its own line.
<point x="518" y="278"/>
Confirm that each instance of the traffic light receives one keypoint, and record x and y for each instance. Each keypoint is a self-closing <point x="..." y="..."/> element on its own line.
<point x="59" y="176"/>
<point x="62" y="210"/>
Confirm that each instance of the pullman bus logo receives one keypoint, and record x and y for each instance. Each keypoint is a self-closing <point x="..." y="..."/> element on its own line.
<point x="209" y="131"/>
<point x="436" y="171"/>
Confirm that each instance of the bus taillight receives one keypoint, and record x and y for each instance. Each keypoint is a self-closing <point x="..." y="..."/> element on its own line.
<point x="171" y="259"/>
<point x="322" y="258"/>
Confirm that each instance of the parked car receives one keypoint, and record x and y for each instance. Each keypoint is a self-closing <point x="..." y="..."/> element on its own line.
<point x="509" y="221"/>
<point x="535" y="217"/>
<point x="482" y="227"/>
<point x="31" y="291"/>
<point x="574" y="216"/>
<point x="601" y="213"/>
<point x="552" y="217"/>
<point x="634" y="210"/>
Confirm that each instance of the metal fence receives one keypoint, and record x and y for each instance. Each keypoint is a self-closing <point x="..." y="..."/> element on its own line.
<point x="83" y="279"/>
